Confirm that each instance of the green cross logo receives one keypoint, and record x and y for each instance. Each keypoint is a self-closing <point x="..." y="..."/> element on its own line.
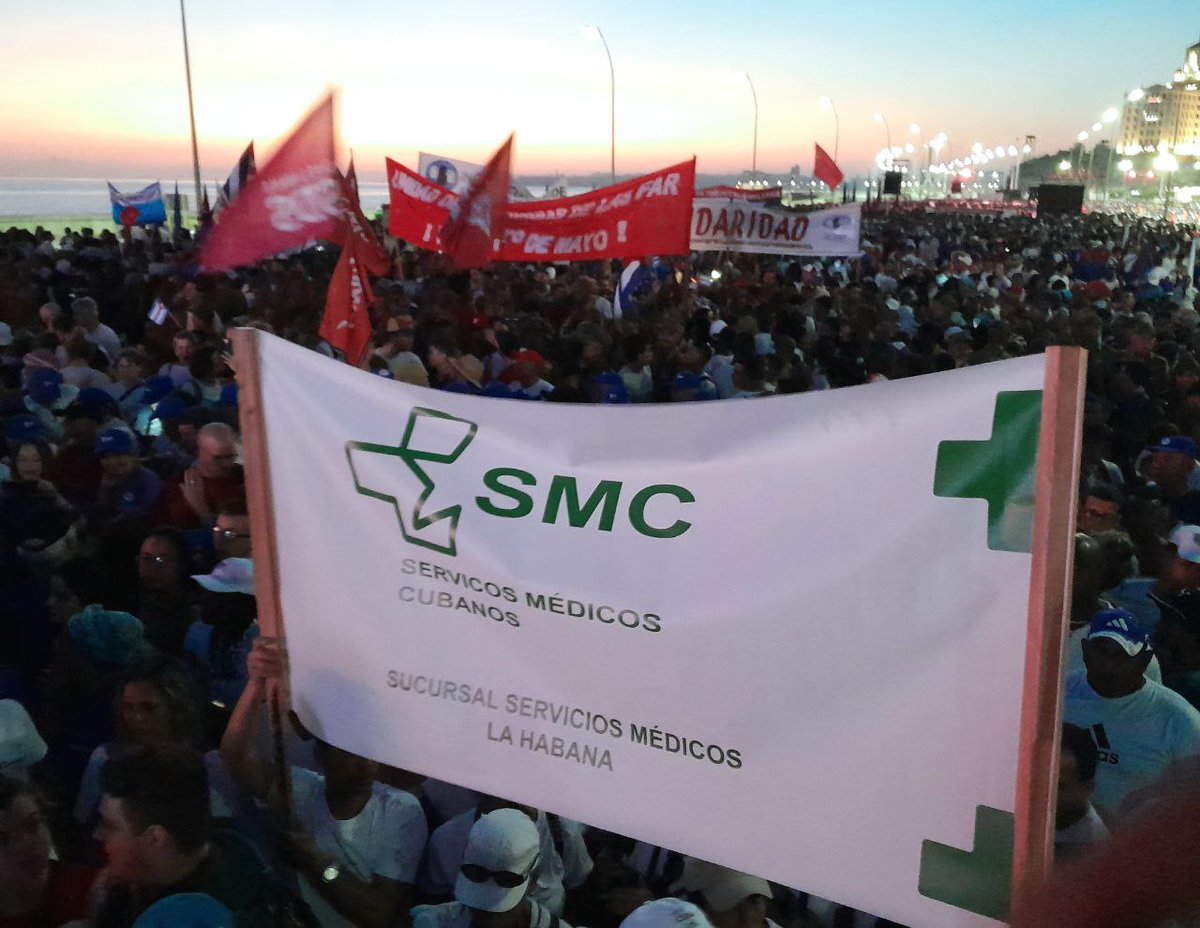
<point x="431" y="437"/>
<point x="1000" y="470"/>
<point x="978" y="880"/>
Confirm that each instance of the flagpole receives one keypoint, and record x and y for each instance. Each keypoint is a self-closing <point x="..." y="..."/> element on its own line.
<point x="754" y="155"/>
<point x="1052" y="561"/>
<point x="612" y="104"/>
<point x="187" y="67"/>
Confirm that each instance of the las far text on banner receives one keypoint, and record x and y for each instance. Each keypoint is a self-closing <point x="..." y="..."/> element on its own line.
<point x="730" y="225"/>
<point x="523" y="598"/>
<point x="645" y="215"/>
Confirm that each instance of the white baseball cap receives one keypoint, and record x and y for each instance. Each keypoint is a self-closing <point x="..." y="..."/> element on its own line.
<point x="501" y="852"/>
<point x="232" y="575"/>
<point x="721" y="888"/>
<point x="666" y="913"/>
<point x="20" y="744"/>
<point x="1186" y="539"/>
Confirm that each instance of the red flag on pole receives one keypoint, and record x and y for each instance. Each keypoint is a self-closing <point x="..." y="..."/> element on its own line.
<point x="825" y="169"/>
<point x="347" y="321"/>
<point x="370" y="252"/>
<point x="477" y="220"/>
<point x="294" y="198"/>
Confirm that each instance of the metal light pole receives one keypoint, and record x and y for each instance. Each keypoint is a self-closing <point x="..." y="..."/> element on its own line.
<point x="612" y="105"/>
<point x="879" y="117"/>
<point x="754" y="155"/>
<point x="827" y="103"/>
<point x="187" y="66"/>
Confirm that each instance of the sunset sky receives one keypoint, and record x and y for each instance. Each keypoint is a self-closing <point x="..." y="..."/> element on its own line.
<point x="97" y="89"/>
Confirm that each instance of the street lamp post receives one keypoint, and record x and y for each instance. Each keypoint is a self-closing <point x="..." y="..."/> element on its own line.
<point x="612" y="104"/>
<point x="1166" y="164"/>
<point x="915" y="129"/>
<point x="754" y="153"/>
<point x="187" y="67"/>
<point x="879" y="117"/>
<point x="827" y="103"/>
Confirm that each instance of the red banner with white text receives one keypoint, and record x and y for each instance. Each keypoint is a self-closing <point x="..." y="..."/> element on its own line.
<point x="417" y="208"/>
<point x="649" y="215"/>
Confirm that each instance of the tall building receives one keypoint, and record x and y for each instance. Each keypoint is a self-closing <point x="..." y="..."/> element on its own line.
<point x="1165" y="117"/>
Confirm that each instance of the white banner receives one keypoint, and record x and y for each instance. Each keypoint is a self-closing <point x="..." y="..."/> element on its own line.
<point x="784" y="635"/>
<point x="735" y="225"/>
<point x="451" y="173"/>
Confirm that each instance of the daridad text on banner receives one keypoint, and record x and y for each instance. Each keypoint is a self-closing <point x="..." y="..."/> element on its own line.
<point x="647" y="215"/>
<point x="773" y="651"/>
<point x="731" y="225"/>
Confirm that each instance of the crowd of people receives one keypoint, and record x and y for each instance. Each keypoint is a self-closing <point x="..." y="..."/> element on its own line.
<point x="141" y="750"/>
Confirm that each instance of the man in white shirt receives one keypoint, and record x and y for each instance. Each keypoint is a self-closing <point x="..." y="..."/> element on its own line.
<point x="1140" y="727"/>
<point x="564" y="862"/>
<point x="493" y="881"/>
<point x="86" y="313"/>
<point x="360" y="841"/>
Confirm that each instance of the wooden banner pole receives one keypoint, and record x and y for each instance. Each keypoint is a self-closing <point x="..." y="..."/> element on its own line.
<point x="1049" y="608"/>
<point x="260" y="505"/>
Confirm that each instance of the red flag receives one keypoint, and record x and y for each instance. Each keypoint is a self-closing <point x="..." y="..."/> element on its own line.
<point x="294" y="198"/>
<point x="825" y="169"/>
<point x="352" y="179"/>
<point x="478" y="219"/>
<point x="347" y="321"/>
<point x="370" y="252"/>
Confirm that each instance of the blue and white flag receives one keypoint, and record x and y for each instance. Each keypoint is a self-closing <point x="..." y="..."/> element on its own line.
<point x="630" y="281"/>
<point x="158" y="313"/>
<point x="144" y="208"/>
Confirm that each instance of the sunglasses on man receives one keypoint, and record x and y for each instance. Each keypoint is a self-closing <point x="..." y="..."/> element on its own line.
<point x="505" y="879"/>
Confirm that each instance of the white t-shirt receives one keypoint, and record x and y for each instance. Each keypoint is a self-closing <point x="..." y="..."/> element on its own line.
<point x="386" y="838"/>
<point x="1138" y="736"/>
<point x="457" y="915"/>
<point x="1088" y="830"/>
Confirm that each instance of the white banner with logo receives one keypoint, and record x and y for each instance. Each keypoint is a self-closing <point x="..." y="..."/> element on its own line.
<point x="452" y="173"/>
<point x="785" y="635"/>
<point x="737" y="225"/>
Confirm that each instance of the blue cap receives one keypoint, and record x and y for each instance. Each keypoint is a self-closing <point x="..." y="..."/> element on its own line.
<point x="26" y="427"/>
<point x="1180" y="444"/>
<point x="114" y="441"/>
<point x="612" y="388"/>
<point x="1122" y="627"/>
<point x="186" y="910"/>
<point x="45" y="385"/>
<point x="100" y="401"/>
<point x="156" y="388"/>
<point x="173" y="408"/>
